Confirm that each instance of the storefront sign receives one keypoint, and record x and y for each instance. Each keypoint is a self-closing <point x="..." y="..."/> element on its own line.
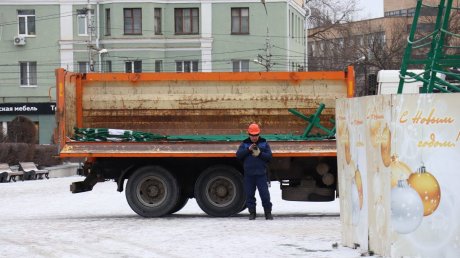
<point x="27" y="108"/>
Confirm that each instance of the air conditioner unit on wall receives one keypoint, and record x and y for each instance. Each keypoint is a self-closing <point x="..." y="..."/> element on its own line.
<point x="19" y="41"/>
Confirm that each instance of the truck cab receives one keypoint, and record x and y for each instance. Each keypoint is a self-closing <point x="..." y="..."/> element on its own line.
<point x="388" y="82"/>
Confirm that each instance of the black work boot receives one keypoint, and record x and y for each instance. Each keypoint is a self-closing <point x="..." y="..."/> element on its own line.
<point x="252" y="214"/>
<point x="268" y="214"/>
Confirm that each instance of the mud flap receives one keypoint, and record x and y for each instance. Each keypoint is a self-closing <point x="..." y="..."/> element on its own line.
<point x="84" y="186"/>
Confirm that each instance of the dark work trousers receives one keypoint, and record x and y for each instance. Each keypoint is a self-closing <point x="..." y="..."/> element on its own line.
<point x="250" y="184"/>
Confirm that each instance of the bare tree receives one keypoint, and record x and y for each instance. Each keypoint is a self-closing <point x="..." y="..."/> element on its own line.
<point x="369" y="45"/>
<point x="328" y="14"/>
<point x="382" y="47"/>
<point x="452" y="40"/>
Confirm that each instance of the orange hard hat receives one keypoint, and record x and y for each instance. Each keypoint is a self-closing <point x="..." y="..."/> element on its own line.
<point x="254" y="129"/>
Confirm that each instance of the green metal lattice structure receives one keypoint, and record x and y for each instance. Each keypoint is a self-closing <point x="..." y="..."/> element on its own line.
<point x="117" y="135"/>
<point x="437" y="60"/>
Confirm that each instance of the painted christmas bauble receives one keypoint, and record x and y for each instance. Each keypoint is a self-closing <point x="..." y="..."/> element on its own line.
<point x="406" y="208"/>
<point x="399" y="170"/>
<point x="385" y="146"/>
<point x="426" y="185"/>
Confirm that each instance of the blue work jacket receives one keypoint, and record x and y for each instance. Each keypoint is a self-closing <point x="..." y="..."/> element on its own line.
<point x="254" y="165"/>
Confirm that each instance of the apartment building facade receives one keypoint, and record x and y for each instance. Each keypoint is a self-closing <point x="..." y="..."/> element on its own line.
<point x="37" y="37"/>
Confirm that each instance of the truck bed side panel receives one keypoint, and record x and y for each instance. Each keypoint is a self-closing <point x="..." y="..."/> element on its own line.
<point x="196" y="104"/>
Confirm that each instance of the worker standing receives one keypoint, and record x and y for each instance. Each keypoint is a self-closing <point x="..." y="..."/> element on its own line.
<point x="255" y="153"/>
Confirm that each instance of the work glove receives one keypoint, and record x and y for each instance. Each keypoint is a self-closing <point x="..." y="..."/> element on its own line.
<point x="255" y="151"/>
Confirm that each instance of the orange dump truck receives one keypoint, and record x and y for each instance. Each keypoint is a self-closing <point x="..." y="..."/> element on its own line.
<point x="198" y="121"/>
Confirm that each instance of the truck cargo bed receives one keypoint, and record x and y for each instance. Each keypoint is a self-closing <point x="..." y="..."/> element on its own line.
<point x="195" y="104"/>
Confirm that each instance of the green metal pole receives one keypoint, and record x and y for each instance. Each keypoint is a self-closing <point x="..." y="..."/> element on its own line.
<point x="408" y="51"/>
<point x="314" y="120"/>
<point x="442" y="23"/>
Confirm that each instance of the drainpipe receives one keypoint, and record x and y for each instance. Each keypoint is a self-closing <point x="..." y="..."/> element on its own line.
<point x="307" y="16"/>
<point x="288" y="38"/>
<point x="98" y="32"/>
<point x="89" y="20"/>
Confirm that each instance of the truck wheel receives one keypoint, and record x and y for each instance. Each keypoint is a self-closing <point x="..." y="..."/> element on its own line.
<point x="180" y="204"/>
<point x="219" y="191"/>
<point x="152" y="191"/>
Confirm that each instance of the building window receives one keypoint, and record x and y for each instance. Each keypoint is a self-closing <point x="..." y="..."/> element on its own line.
<point x="83" y="67"/>
<point x="108" y="26"/>
<point x="186" y="20"/>
<point x="157" y="19"/>
<point x="84" y="27"/>
<point x="411" y="12"/>
<point x="132" y="21"/>
<point x="290" y="27"/>
<point x="240" y="65"/>
<point x="133" y="66"/>
<point x="158" y="66"/>
<point x="187" y="66"/>
<point x="82" y="24"/>
<point x="108" y="66"/>
<point x="240" y="20"/>
<point x="28" y="71"/>
<point x="26" y="21"/>
<point x="423" y="27"/>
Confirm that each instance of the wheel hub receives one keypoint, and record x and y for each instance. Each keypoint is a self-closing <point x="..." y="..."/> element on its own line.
<point x="151" y="191"/>
<point x="220" y="191"/>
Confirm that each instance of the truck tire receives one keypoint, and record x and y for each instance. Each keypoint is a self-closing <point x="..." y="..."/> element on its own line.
<point x="219" y="191"/>
<point x="180" y="204"/>
<point x="152" y="191"/>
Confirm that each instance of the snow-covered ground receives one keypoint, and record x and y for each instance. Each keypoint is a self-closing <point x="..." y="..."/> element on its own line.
<point x="43" y="219"/>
